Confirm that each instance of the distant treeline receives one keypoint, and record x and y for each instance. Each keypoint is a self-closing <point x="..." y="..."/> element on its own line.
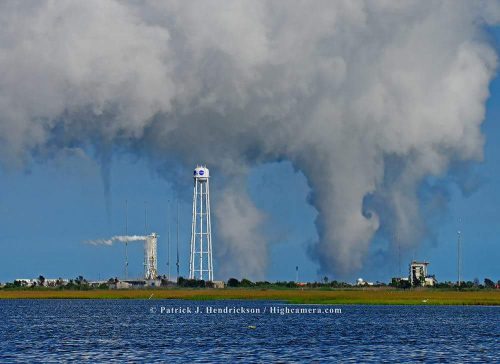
<point x="245" y="283"/>
<point x="80" y="283"/>
<point x="402" y="284"/>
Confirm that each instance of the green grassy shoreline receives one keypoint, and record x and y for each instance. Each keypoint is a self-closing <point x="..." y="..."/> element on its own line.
<point x="298" y="296"/>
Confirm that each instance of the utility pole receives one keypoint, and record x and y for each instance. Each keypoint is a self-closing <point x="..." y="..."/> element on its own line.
<point x="297" y="274"/>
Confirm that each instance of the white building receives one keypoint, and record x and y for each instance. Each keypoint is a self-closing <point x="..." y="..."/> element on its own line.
<point x="362" y="282"/>
<point x="26" y="282"/>
<point x="430" y="281"/>
<point x="47" y="282"/>
<point x="419" y="275"/>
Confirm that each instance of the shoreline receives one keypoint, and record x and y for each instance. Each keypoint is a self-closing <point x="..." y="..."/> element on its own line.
<point x="294" y="296"/>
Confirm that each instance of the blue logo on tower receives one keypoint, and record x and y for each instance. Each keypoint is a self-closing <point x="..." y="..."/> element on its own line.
<point x="202" y="172"/>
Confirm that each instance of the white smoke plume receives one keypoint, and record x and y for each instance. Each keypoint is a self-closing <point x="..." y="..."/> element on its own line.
<point x="117" y="238"/>
<point x="366" y="98"/>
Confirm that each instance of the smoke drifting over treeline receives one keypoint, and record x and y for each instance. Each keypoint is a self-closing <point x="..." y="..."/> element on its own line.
<point x="365" y="98"/>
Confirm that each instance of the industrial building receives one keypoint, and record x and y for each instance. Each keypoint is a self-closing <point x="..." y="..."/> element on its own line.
<point x="419" y="276"/>
<point x="47" y="282"/>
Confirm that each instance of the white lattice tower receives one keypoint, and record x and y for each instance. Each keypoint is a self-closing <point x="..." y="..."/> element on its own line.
<point x="200" y="262"/>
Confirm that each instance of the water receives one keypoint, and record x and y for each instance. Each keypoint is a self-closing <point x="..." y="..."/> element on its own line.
<point x="137" y="331"/>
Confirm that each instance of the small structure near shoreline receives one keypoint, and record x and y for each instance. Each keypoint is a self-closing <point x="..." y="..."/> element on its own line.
<point x="218" y="284"/>
<point x="362" y="282"/>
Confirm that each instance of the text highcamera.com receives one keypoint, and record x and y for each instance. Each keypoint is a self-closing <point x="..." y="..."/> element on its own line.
<point x="242" y="310"/>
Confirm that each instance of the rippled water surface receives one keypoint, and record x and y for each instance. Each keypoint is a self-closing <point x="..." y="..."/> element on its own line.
<point x="138" y="331"/>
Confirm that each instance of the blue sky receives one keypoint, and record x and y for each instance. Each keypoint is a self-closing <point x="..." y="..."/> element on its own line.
<point x="48" y="210"/>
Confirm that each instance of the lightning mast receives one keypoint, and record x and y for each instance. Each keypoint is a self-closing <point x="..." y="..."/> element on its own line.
<point x="126" y="242"/>
<point x="177" y="261"/>
<point x="459" y="240"/>
<point x="146" y="217"/>
<point x="168" y="242"/>
<point x="399" y="256"/>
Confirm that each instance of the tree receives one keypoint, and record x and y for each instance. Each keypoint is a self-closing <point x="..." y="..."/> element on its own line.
<point x="400" y="283"/>
<point x="246" y="283"/>
<point x="180" y="281"/>
<point x="325" y="279"/>
<point x="262" y="283"/>
<point x="41" y="280"/>
<point x="489" y="283"/>
<point x="233" y="282"/>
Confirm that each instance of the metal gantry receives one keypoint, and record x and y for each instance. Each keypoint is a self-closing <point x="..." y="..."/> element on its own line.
<point x="150" y="256"/>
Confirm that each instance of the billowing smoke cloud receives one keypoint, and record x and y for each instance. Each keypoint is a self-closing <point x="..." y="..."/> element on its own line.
<point x="120" y="239"/>
<point x="366" y="98"/>
<point x="235" y="209"/>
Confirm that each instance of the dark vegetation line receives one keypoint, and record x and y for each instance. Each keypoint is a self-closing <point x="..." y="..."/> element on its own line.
<point x="80" y="283"/>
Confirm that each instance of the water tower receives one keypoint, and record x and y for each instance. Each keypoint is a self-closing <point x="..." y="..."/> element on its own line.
<point x="200" y="261"/>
